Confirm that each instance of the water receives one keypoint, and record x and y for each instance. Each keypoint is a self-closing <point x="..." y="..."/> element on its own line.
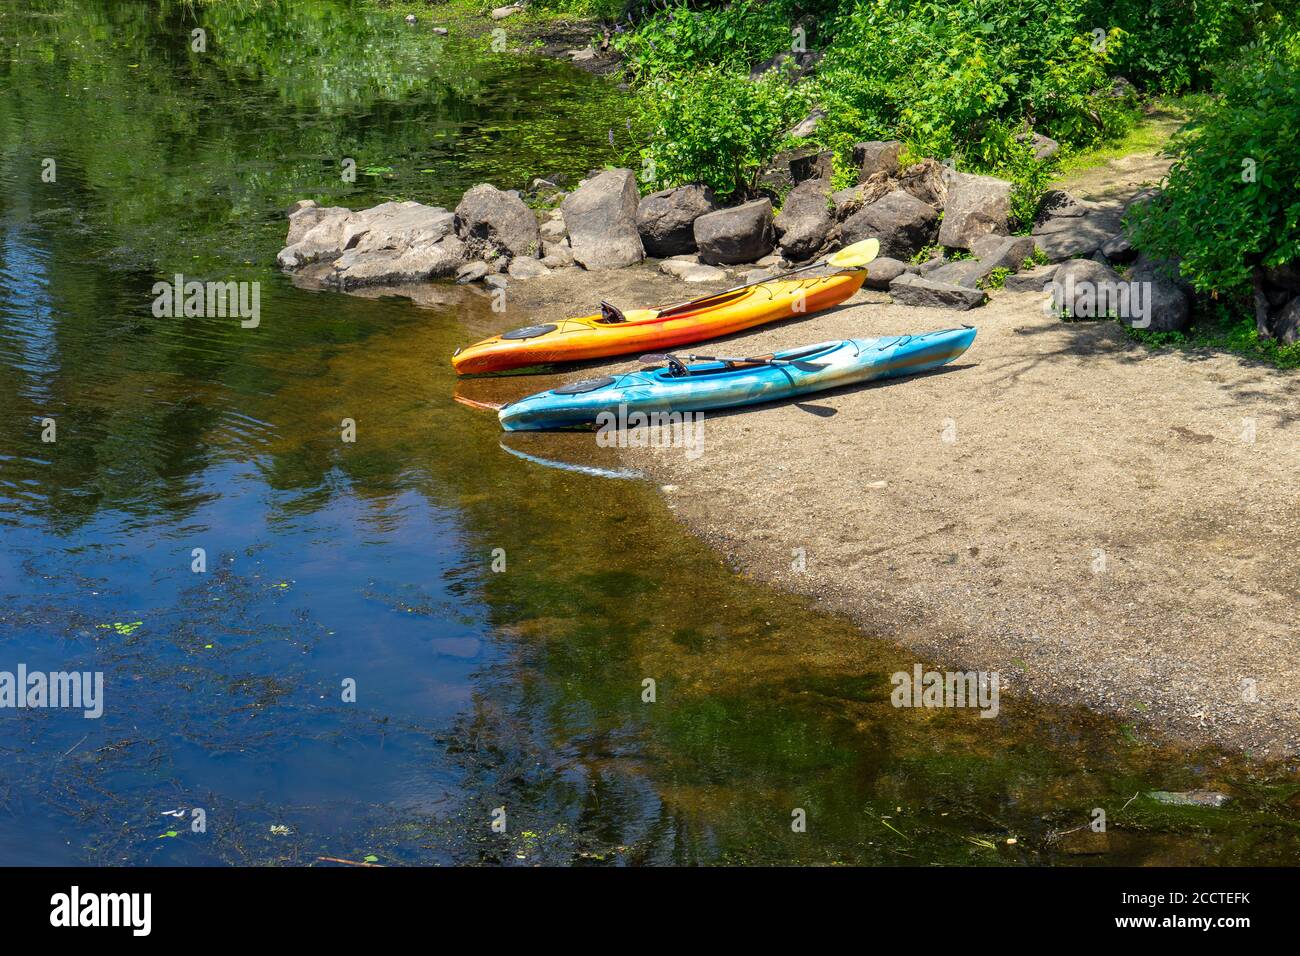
<point x="372" y="562"/>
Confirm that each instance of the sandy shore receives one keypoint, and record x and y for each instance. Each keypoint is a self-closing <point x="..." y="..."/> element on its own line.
<point x="1100" y="523"/>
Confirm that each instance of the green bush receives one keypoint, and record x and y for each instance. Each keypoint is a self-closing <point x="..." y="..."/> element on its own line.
<point x="682" y="38"/>
<point x="1178" y="44"/>
<point x="1233" y="195"/>
<point x="716" y="127"/>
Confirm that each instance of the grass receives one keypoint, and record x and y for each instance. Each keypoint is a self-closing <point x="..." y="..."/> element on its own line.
<point x="1161" y="118"/>
<point x="1227" y="335"/>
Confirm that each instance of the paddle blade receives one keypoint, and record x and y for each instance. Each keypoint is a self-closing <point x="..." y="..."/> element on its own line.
<point x="855" y="256"/>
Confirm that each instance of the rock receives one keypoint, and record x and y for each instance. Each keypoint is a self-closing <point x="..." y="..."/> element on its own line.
<point x="323" y="238"/>
<point x="556" y="255"/>
<point x="472" y="272"/>
<point x="1084" y="842"/>
<point x="1035" y="280"/>
<point x="440" y="31"/>
<point x="410" y="19"/>
<point x="1084" y="289"/>
<point x="902" y="223"/>
<point x="305" y="214"/>
<point x="522" y="267"/>
<point x="586" y="54"/>
<point x="977" y="206"/>
<point x="1118" y="248"/>
<point x="793" y="166"/>
<point x="1189" y="798"/>
<point x="805" y="221"/>
<point x="928" y="181"/>
<point x="1003" y="252"/>
<point x="808" y="125"/>
<point x="930" y="266"/>
<point x="601" y="216"/>
<point x="666" y="219"/>
<point x="500" y="13"/>
<point x="1055" y="203"/>
<point x="496" y="281"/>
<point x="553" y="230"/>
<point x="1044" y="146"/>
<point x="1285" y="326"/>
<point x="738" y="234"/>
<point x="691" y="271"/>
<point x="497" y="220"/>
<point x="756" y="275"/>
<point x="795" y="65"/>
<point x="1073" y="228"/>
<point x="882" y="271"/>
<point x="356" y="268"/>
<point x="964" y="272"/>
<point x="909" y="289"/>
<point x="386" y="244"/>
<point x="876" y="157"/>
<point x="1166" y="296"/>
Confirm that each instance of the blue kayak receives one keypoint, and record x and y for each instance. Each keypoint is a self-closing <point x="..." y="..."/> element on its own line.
<point x="732" y="382"/>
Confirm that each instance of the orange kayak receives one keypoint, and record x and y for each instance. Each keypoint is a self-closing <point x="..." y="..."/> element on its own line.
<point x="649" y="330"/>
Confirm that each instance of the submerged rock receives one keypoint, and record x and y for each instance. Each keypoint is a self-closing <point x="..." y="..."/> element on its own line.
<point x="1190" y="798"/>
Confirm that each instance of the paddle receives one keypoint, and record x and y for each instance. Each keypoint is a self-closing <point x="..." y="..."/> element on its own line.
<point x="854" y="256"/>
<point x="679" y="368"/>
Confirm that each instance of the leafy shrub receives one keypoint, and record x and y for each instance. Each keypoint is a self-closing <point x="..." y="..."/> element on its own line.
<point x="683" y="38"/>
<point x="716" y="127"/>
<point x="1178" y="44"/>
<point x="1233" y="195"/>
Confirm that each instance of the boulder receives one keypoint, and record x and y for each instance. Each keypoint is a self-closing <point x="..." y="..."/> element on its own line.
<point x="307" y="213"/>
<point x="355" y="268"/>
<point x="882" y="271"/>
<point x="601" y="216"/>
<point x="320" y="238"/>
<point x="805" y="221"/>
<point x="1038" y="279"/>
<point x="1118" y="248"/>
<point x="497" y="220"/>
<point x="1066" y="227"/>
<point x="1285" y="326"/>
<point x="876" y="157"/>
<point x="793" y="166"/>
<point x="500" y="13"/>
<point x="666" y="219"/>
<point x="738" y="234"/>
<point x="1167" y="297"/>
<point x="977" y="206"/>
<point x="691" y="271"/>
<point x="1044" y="146"/>
<point x="472" y="272"/>
<point x="1003" y="252"/>
<point x="553" y="230"/>
<point x="909" y="289"/>
<point x="1084" y="289"/>
<point x="523" y="267"/>
<point x="556" y="255"/>
<point x="397" y="225"/>
<point x="902" y="223"/>
<point x="964" y="272"/>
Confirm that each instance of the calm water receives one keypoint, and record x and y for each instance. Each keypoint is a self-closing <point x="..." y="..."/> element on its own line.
<point x="372" y="561"/>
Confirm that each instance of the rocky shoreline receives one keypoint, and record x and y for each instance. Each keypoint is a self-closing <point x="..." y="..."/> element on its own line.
<point x="946" y="239"/>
